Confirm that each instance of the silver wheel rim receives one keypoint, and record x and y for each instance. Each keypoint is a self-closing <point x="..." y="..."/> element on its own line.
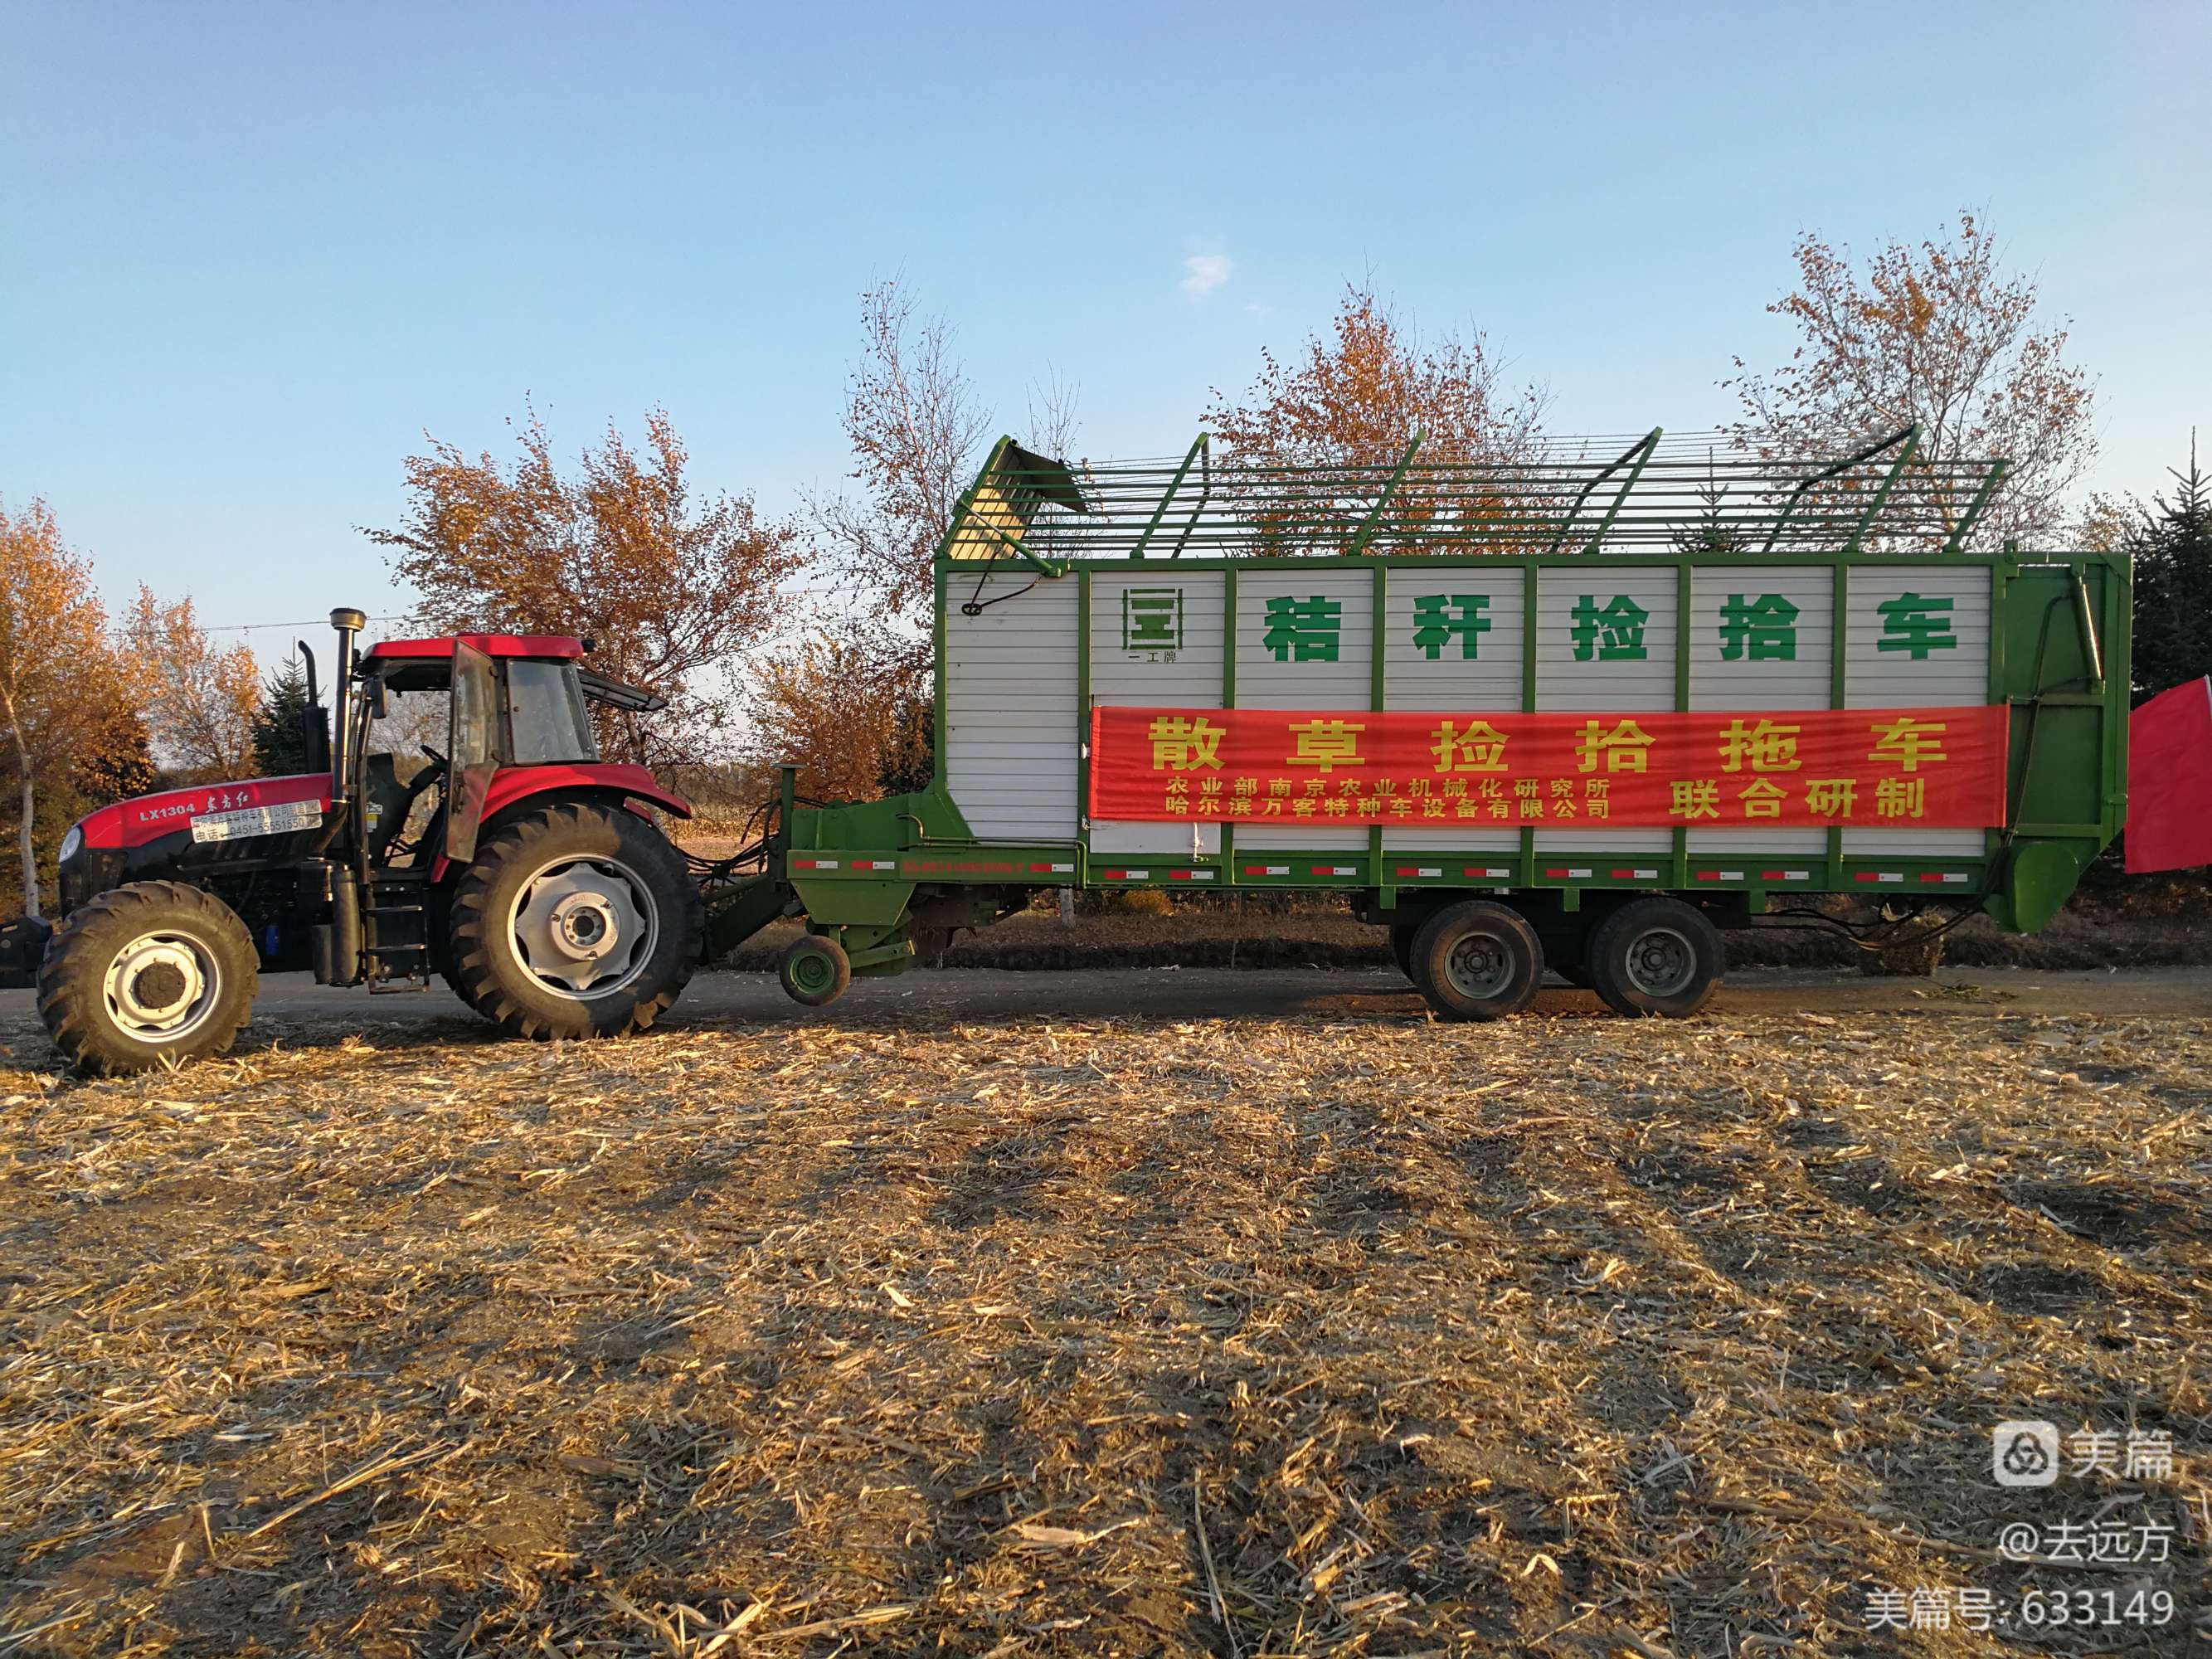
<point x="583" y="927"/>
<point x="1661" y="961"/>
<point x="162" y="987"/>
<point x="1478" y="965"/>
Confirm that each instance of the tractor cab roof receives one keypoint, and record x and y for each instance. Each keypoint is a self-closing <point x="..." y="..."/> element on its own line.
<point x="559" y="646"/>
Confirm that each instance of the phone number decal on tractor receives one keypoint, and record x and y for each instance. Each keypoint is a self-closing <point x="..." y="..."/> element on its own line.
<point x="257" y="820"/>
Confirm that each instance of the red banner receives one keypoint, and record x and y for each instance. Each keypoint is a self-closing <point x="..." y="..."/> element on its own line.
<point x="2170" y="780"/>
<point x="1876" y="768"/>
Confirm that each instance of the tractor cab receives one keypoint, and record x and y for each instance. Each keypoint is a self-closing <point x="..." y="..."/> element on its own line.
<point x="434" y="722"/>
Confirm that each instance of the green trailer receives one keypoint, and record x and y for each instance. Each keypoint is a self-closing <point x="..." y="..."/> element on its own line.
<point x="1576" y="713"/>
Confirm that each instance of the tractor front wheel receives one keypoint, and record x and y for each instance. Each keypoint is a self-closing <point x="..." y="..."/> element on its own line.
<point x="575" y="920"/>
<point x="152" y="973"/>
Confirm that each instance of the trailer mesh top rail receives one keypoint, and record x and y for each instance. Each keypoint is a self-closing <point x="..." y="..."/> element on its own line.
<point x="1702" y="493"/>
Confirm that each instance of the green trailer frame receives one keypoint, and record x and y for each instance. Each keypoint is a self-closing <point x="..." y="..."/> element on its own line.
<point x="883" y="878"/>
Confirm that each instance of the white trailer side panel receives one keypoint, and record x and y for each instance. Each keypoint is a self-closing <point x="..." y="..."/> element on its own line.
<point x="1762" y="638"/>
<point x="1156" y="641"/>
<point x="1288" y="656"/>
<point x="1605" y="644"/>
<point x="1476" y="664"/>
<point x="1012" y="740"/>
<point x="1896" y="656"/>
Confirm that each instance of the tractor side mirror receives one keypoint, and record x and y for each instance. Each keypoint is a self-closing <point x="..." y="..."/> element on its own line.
<point x="379" y="701"/>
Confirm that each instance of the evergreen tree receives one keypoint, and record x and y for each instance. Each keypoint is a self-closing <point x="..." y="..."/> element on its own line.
<point x="280" y="738"/>
<point x="2172" y="551"/>
<point x="1713" y="532"/>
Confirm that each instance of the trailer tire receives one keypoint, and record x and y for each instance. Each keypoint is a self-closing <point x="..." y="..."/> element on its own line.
<point x="813" y="970"/>
<point x="1477" y="959"/>
<point x="1656" y="956"/>
<point x="153" y="973"/>
<point x="587" y="895"/>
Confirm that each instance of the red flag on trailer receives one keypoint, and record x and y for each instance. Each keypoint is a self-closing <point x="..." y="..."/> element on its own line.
<point x="2170" y="780"/>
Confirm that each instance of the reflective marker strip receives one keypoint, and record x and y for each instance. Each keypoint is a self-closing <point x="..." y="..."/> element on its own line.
<point x="875" y="863"/>
<point x="1336" y="869"/>
<point x="1419" y="870"/>
<point x="1126" y="875"/>
<point x="814" y="864"/>
<point x="1190" y="875"/>
<point x="1720" y="875"/>
<point x="1570" y="874"/>
<point x="1635" y="875"/>
<point x="1052" y="869"/>
<point x="1943" y="875"/>
<point x="1879" y="875"/>
<point x="1785" y="875"/>
<point x="1483" y="870"/>
<point x="1267" y="869"/>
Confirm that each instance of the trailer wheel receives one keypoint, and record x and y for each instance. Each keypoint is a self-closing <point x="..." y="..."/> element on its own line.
<point x="1477" y="959"/>
<point x="1401" y="946"/>
<point x="575" y="920"/>
<point x="814" y="970"/>
<point x="151" y="973"/>
<point x="1656" y="956"/>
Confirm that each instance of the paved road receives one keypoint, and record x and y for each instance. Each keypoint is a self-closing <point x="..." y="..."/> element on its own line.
<point x="718" y="999"/>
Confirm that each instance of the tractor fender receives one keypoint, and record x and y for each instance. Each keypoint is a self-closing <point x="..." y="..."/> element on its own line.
<point x="521" y="788"/>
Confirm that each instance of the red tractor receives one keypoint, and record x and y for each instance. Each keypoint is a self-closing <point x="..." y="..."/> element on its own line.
<point x="516" y="864"/>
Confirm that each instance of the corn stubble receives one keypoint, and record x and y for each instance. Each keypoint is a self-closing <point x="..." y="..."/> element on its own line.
<point x="1288" y="1336"/>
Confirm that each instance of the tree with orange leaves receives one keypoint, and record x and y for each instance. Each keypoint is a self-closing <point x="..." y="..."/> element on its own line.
<point x="666" y="582"/>
<point x="65" y="695"/>
<point x="197" y="699"/>
<point x="1357" y="396"/>
<point x="829" y="703"/>
<point x="1942" y="336"/>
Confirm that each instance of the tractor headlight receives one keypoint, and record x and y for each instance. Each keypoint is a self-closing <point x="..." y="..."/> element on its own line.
<point x="72" y="844"/>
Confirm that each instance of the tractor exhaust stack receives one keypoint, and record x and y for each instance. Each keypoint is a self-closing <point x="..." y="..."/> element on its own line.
<point x="348" y="625"/>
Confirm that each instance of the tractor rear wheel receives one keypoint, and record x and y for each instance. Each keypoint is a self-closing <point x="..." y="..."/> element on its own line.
<point x="151" y="973"/>
<point x="577" y="920"/>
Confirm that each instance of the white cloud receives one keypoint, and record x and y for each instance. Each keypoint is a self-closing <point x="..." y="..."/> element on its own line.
<point x="1202" y="273"/>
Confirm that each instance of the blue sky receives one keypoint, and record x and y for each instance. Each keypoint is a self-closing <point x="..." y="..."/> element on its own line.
<point x="252" y="252"/>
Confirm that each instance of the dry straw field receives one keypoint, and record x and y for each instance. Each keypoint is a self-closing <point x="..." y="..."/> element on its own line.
<point x="1304" y="1335"/>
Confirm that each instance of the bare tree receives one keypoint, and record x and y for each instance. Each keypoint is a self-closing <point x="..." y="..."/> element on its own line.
<point x="917" y="432"/>
<point x="1942" y="336"/>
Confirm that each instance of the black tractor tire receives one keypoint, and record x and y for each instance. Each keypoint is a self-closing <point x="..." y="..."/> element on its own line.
<point x="1401" y="946"/>
<point x="23" y="941"/>
<point x="600" y="855"/>
<point x="1477" y="959"/>
<point x="814" y="970"/>
<point x="1656" y="956"/>
<point x="187" y="996"/>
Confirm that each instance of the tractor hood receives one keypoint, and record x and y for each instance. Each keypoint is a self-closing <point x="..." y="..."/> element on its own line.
<point x="210" y="811"/>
